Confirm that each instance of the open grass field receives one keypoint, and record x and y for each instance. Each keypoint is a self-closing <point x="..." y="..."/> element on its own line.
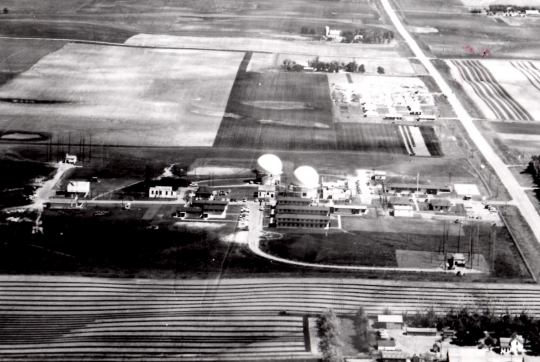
<point x="500" y="102"/>
<point x="17" y="55"/>
<point x="124" y="95"/>
<point x="378" y="248"/>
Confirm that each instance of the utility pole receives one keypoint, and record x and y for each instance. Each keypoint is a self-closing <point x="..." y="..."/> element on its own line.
<point x="444" y="245"/>
<point x="492" y="248"/>
<point x="471" y="247"/>
<point x="478" y="243"/>
<point x="459" y="236"/>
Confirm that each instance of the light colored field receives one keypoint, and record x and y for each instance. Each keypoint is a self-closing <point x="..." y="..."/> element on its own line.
<point x="429" y="260"/>
<point x="267" y="45"/>
<point x="125" y="95"/>
<point x="263" y="61"/>
<point x="513" y="77"/>
<point x="397" y="65"/>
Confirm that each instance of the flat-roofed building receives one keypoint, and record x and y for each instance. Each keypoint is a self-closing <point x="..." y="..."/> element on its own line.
<point x="390" y="321"/>
<point x="403" y="211"/>
<point x="461" y="354"/>
<point x="439" y="205"/>
<point x="386" y="345"/>
<point x="214" y="208"/>
<point x="433" y="189"/>
<point x="266" y="192"/>
<point x="162" y="192"/>
<point x="302" y="221"/>
<point x="287" y="200"/>
<point x="394" y="356"/>
<point x="300" y="209"/>
<point x="421" y="331"/>
<point x="81" y="188"/>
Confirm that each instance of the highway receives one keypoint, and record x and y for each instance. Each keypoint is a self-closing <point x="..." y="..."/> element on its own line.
<point x="502" y="170"/>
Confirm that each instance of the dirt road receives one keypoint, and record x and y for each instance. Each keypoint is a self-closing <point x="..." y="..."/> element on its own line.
<point x="507" y="178"/>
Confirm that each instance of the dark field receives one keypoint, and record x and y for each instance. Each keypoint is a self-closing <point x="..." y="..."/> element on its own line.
<point x="291" y="111"/>
<point x="17" y="55"/>
<point x="516" y="128"/>
<point x="379" y="249"/>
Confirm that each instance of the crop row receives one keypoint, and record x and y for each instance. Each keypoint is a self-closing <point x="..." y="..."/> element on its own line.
<point x="491" y="92"/>
<point x="530" y="71"/>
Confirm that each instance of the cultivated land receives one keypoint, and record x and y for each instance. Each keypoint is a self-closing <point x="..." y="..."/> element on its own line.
<point x="124" y="96"/>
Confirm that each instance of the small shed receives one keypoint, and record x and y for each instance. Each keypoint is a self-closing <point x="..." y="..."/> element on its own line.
<point x="457" y="260"/>
<point x="390" y="321"/>
<point x="421" y="331"/>
<point x="386" y="345"/>
<point x="403" y="211"/>
<point x="70" y="159"/>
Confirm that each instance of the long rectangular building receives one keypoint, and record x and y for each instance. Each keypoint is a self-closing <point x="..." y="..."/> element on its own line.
<point x="300" y="209"/>
<point x="302" y="221"/>
<point x="286" y="200"/>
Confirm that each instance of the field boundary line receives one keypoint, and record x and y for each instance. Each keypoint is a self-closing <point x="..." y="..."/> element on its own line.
<point x="516" y="244"/>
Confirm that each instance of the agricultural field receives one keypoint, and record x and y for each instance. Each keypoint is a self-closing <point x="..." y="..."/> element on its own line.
<point x="244" y="44"/>
<point x="461" y="34"/>
<point x="123" y="96"/>
<point x="17" y="55"/>
<point x="499" y="85"/>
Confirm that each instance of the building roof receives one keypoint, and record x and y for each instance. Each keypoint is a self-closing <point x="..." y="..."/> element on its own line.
<point x="440" y="202"/>
<point x="78" y="186"/>
<point x="505" y="341"/>
<point x="394" y="355"/>
<point x="209" y="202"/>
<point x="403" y="207"/>
<point x="302" y="208"/>
<point x="164" y="188"/>
<point x="467" y="189"/>
<point x="267" y="188"/>
<point x="458" y="256"/>
<point x="421" y="330"/>
<point x="460" y="354"/>
<point x="303" y="217"/>
<point x="420" y="186"/>
<point x="191" y="210"/>
<point x="386" y="343"/>
<point x="390" y="318"/>
<point x="400" y="200"/>
<point x="297" y="199"/>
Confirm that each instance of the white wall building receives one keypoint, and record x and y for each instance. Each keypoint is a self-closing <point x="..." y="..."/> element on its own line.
<point x="162" y="192"/>
<point x="79" y="187"/>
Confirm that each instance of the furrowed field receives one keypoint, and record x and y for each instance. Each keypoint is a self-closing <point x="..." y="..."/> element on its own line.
<point x="123" y="96"/>
<point x="46" y="318"/>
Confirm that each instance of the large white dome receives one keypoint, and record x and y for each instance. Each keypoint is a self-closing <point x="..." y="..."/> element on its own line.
<point x="305" y="176"/>
<point x="269" y="164"/>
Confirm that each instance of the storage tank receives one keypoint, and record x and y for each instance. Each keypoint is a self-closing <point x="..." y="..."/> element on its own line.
<point x="306" y="176"/>
<point x="269" y="164"/>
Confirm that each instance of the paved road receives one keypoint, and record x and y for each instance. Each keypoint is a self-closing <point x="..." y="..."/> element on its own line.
<point x="507" y="178"/>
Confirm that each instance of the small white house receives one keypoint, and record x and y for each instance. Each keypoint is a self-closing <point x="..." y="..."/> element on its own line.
<point x="513" y="345"/>
<point x="70" y="159"/>
<point x="162" y="192"/>
<point x="79" y="187"/>
<point x="403" y="211"/>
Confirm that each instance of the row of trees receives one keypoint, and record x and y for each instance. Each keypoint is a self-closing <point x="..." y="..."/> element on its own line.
<point x="470" y="325"/>
<point x="368" y="36"/>
<point x="306" y="30"/>
<point x="503" y="8"/>
<point x="329" y="67"/>
<point x="329" y="333"/>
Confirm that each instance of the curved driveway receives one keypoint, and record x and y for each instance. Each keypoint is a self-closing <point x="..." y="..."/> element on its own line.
<point x="515" y="190"/>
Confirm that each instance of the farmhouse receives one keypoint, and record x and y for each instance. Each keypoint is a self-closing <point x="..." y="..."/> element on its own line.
<point x="439" y="205"/>
<point x="81" y="188"/>
<point x="393" y="356"/>
<point x="162" y="192"/>
<point x="512" y="345"/>
<point x="386" y="345"/>
<point x="421" y="331"/>
<point x="302" y="221"/>
<point x="299" y="209"/>
<point x="267" y="192"/>
<point x="390" y="321"/>
<point x="284" y="200"/>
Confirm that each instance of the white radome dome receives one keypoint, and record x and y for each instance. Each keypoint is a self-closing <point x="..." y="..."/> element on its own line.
<point x="306" y="176"/>
<point x="269" y="164"/>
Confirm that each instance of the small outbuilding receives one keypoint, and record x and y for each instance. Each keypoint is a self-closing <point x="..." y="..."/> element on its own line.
<point x="440" y="205"/>
<point x="390" y="321"/>
<point x="72" y="159"/>
<point x="403" y="211"/>
<point x="162" y="192"/>
<point x="394" y="356"/>
<point x="80" y="188"/>
<point x="457" y="260"/>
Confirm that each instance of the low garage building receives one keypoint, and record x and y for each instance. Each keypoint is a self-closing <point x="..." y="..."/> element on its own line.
<point x="386" y="345"/>
<point x="421" y="331"/>
<point x="394" y="356"/>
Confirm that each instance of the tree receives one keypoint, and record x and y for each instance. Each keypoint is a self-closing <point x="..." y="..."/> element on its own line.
<point x="387" y="311"/>
<point x="330" y="342"/>
<point x="304" y="30"/>
<point x="5" y="11"/>
<point x="361" y="68"/>
<point x="351" y="67"/>
<point x="380" y="70"/>
<point x="361" y="324"/>
<point x="536" y="164"/>
<point x="312" y="31"/>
